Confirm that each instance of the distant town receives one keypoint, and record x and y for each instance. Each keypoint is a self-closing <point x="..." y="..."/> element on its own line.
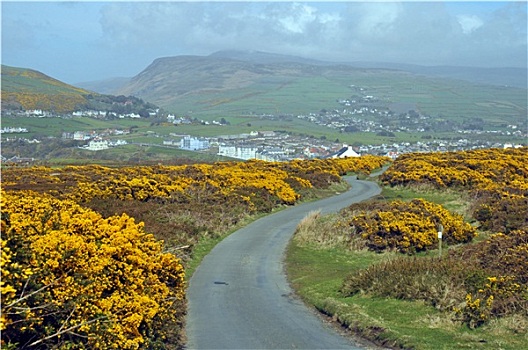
<point x="360" y="113"/>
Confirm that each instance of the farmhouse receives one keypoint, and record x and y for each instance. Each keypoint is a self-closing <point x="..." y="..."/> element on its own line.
<point x="345" y="152"/>
<point x="96" y="145"/>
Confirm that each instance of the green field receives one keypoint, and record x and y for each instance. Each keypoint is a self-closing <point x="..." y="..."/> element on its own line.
<point x="302" y="95"/>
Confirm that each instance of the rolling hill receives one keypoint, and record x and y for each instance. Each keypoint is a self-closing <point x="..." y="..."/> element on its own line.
<point x="251" y="83"/>
<point x="27" y="89"/>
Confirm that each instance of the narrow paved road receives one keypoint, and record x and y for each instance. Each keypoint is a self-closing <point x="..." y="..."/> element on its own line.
<point x="239" y="297"/>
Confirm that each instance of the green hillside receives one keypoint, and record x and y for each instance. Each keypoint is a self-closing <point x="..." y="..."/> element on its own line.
<point x="209" y="86"/>
<point x="29" y="89"/>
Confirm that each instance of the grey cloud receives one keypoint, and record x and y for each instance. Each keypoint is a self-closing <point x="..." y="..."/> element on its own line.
<point x="422" y="33"/>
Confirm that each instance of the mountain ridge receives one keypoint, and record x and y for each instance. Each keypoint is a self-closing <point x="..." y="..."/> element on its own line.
<point x="501" y="76"/>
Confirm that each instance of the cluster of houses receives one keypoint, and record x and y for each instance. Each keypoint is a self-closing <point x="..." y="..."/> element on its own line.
<point x="103" y="114"/>
<point x="273" y="146"/>
<point x="263" y="145"/>
<point x="37" y="113"/>
<point x="95" y="138"/>
<point x="92" y="134"/>
<point x="16" y="160"/>
<point x="13" y="130"/>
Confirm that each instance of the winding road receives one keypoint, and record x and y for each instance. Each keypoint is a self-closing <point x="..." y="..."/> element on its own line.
<point x="239" y="297"/>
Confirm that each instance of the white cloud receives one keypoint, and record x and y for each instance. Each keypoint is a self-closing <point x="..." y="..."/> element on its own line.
<point x="299" y="18"/>
<point x="469" y="23"/>
<point x="378" y="19"/>
<point x="124" y="37"/>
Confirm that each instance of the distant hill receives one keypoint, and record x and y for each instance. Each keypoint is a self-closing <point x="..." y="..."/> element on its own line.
<point x="505" y="76"/>
<point x="167" y="80"/>
<point x="105" y="86"/>
<point x="252" y="82"/>
<point x="27" y="89"/>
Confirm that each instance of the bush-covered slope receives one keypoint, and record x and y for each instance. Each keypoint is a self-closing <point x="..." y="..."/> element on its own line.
<point x="28" y="89"/>
<point x="81" y="267"/>
<point x="480" y="280"/>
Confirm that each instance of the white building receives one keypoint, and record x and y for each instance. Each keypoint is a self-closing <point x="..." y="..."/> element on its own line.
<point x="81" y="136"/>
<point x="345" y="152"/>
<point x="239" y="152"/>
<point x="194" y="143"/>
<point x="97" y="145"/>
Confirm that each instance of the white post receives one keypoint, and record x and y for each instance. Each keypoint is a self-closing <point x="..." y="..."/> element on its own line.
<point x="440" y="229"/>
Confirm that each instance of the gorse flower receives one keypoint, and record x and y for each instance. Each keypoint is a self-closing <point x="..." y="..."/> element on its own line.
<point x="67" y="268"/>
<point x="72" y="278"/>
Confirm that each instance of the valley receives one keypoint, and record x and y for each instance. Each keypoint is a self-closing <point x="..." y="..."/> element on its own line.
<point x="313" y="108"/>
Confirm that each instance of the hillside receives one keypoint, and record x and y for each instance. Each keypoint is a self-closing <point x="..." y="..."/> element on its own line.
<point x="30" y="89"/>
<point x="27" y="89"/>
<point x="235" y="83"/>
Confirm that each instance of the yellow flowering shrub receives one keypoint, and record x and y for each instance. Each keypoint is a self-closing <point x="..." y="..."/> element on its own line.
<point x="408" y="227"/>
<point x="72" y="279"/>
<point x="475" y="312"/>
<point x="504" y="258"/>
<point x="496" y="181"/>
<point x="477" y="169"/>
<point x="276" y="182"/>
<point x="476" y="282"/>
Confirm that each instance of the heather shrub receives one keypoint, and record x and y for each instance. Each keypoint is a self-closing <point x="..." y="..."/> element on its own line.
<point x="437" y="281"/>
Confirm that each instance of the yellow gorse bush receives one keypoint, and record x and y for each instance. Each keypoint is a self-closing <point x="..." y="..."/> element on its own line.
<point x="282" y="182"/>
<point x="70" y="276"/>
<point x="496" y="181"/>
<point x="409" y="227"/>
<point x="478" y="169"/>
<point x="495" y="271"/>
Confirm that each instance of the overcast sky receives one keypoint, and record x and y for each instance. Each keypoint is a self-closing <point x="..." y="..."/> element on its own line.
<point x="87" y="41"/>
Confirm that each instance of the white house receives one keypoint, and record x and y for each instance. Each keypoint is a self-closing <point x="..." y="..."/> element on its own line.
<point x="97" y="145"/>
<point x="345" y="152"/>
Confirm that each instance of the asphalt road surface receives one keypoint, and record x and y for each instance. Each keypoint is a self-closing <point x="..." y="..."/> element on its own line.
<point x="239" y="297"/>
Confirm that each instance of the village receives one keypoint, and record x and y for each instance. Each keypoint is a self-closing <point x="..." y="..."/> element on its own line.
<point x="360" y="113"/>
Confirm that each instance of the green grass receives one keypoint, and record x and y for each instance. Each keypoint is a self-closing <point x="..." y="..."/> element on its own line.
<point x="317" y="274"/>
<point x="451" y="200"/>
<point x="440" y="98"/>
<point x="56" y="126"/>
<point x="302" y="95"/>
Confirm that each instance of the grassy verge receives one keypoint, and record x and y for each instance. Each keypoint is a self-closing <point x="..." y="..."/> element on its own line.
<point x="317" y="271"/>
<point x="317" y="274"/>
